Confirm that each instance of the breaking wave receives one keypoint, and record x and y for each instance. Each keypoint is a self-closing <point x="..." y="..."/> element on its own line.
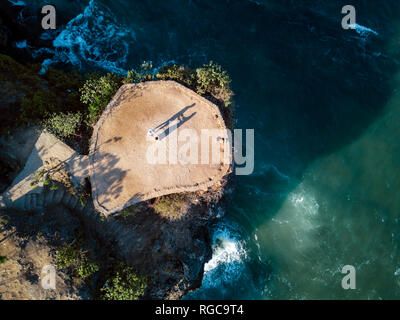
<point x="17" y="3"/>
<point x="94" y="38"/>
<point x="227" y="264"/>
<point x="364" y="32"/>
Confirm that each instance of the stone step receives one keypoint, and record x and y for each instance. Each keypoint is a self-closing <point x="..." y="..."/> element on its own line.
<point x="73" y="202"/>
<point x="31" y="201"/>
<point x="48" y="197"/>
<point x="3" y="202"/>
<point x="26" y="202"/>
<point x="58" y="195"/>
<point x="66" y="198"/>
<point x="82" y="208"/>
<point x="40" y="200"/>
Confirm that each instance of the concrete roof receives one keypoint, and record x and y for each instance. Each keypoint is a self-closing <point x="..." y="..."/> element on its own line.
<point x="120" y="172"/>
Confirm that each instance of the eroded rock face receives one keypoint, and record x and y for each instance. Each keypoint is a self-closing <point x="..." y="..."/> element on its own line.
<point x="173" y="252"/>
<point x="121" y="172"/>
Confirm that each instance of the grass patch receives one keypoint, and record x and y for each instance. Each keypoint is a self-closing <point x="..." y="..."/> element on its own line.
<point x="3" y="259"/>
<point x="170" y="206"/>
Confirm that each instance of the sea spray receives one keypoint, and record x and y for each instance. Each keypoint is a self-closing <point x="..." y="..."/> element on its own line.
<point x="227" y="263"/>
<point x="94" y="38"/>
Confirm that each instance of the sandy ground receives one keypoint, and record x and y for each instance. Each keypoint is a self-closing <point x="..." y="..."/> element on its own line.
<point x="121" y="173"/>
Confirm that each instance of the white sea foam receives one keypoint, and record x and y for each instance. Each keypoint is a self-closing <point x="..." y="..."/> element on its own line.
<point x="21" y="44"/>
<point x="94" y="37"/>
<point x="227" y="259"/>
<point x="17" y="3"/>
<point x="363" y="31"/>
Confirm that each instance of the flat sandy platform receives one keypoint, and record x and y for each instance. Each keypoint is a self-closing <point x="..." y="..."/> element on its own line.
<point x="120" y="172"/>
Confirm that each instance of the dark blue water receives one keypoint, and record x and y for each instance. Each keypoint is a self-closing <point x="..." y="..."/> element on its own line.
<point x="325" y="108"/>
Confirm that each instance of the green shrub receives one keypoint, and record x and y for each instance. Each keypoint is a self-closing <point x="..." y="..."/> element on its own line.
<point x="211" y="79"/>
<point x="97" y="92"/>
<point x="40" y="104"/>
<point x="66" y="256"/>
<point x="85" y="268"/>
<point x="77" y="260"/>
<point x="3" y="259"/>
<point x="180" y="74"/>
<point x="145" y="73"/>
<point x="66" y="85"/>
<point x="124" y="284"/>
<point x="63" y="125"/>
<point x="36" y="96"/>
<point x="44" y="176"/>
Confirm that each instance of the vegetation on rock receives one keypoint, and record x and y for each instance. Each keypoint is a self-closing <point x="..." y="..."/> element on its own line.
<point x="82" y="266"/>
<point x="3" y="259"/>
<point x="124" y="284"/>
<point x="68" y="106"/>
<point x="212" y="80"/>
<point x="145" y="73"/>
<point x="44" y="177"/>
<point x="28" y="97"/>
<point x="63" y="125"/>
<point x="97" y="92"/>
<point x="170" y="206"/>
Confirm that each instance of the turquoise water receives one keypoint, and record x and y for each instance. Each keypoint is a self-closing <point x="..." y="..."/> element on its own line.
<point x="324" y="104"/>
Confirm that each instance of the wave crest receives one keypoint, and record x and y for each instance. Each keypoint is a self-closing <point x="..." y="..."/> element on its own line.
<point x="94" y="37"/>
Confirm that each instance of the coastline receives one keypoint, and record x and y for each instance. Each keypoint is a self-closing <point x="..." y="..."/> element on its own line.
<point x="176" y="260"/>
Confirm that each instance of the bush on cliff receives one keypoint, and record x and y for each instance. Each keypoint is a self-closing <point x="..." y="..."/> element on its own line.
<point x="124" y="284"/>
<point x="144" y="73"/>
<point x="97" y="92"/>
<point x="212" y="80"/>
<point x="28" y="97"/>
<point x="77" y="260"/>
<point x="63" y="125"/>
<point x="180" y="74"/>
<point x="208" y="80"/>
<point x="38" y="105"/>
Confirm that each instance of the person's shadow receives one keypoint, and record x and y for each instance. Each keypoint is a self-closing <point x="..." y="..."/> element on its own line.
<point x="165" y="128"/>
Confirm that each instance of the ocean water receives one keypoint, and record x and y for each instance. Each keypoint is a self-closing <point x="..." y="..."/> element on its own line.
<point x="325" y="106"/>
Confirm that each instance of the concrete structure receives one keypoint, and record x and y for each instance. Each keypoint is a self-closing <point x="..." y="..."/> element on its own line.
<point x="21" y="194"/>
<point x="119" y="171"/>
